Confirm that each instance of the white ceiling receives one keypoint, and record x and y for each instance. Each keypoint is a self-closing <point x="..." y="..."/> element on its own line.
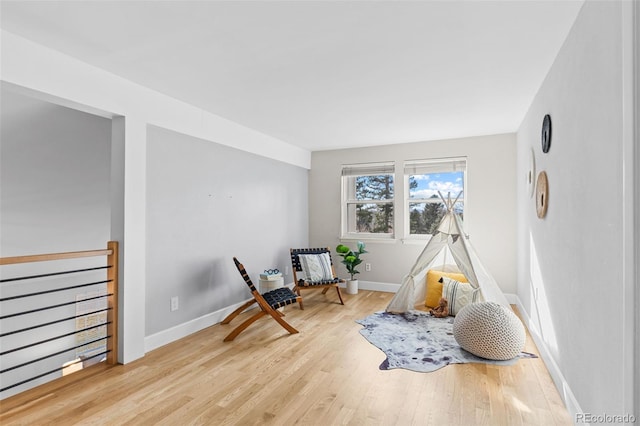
<point x="321" y="74"/>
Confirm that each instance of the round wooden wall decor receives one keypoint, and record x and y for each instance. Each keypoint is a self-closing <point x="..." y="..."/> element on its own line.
<point x="542" y="194"/>
<point x="531" y="173"/>
<point x="546" y="133"/>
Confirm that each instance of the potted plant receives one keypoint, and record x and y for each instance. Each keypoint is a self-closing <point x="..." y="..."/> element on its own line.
<point x="351" y="259"/>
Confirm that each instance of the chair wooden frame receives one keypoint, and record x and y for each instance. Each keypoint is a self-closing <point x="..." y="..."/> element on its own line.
<point x="266" y="308"/>
<point x="301" y="284"/>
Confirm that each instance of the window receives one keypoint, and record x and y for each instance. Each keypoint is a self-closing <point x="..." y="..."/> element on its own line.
<point x="367" y="200"/>
<point x="424" y="180"/>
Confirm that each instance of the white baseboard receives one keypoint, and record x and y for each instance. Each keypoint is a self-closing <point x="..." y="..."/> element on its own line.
<point x="178" y="332"/>
<point x="512" y="298"/>
<point x="376" y="286"/>
<point x="183" y="330"/>
<point x="566" y="394"/>
<point x="393" y="288"/>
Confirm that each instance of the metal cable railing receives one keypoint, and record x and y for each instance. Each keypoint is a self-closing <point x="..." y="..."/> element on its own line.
<point x="38" y="334"/>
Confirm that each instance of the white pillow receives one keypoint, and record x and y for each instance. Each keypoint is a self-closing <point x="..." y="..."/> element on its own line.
<point x="459" y="294"/>
<point x="316" y="267"/>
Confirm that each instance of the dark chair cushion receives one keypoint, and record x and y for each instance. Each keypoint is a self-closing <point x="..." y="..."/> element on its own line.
<point x="280" y="297"/>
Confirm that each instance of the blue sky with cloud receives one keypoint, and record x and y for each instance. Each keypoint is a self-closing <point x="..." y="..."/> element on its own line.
<point x="430" y="184"/>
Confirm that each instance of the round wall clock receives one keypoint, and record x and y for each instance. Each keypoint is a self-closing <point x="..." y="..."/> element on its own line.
<point x="542" y="194"/>
<point x="546" y="133"/>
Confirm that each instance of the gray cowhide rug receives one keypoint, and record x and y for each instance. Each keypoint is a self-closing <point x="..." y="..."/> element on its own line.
<point x="419" y="342"/>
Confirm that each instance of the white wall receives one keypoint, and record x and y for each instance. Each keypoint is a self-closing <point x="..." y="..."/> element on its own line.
<point x="54" y="177"/>
<point x="490" y="218"/>
<point x="205" y="204"/>
<point x="575" y="259"/>
<point x="50" y="75"/>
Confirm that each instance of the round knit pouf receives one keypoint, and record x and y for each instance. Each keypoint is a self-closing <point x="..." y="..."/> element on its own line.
<point x="489" y="330"/>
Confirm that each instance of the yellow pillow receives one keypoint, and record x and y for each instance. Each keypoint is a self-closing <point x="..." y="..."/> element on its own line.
<point x="434" y="287"/>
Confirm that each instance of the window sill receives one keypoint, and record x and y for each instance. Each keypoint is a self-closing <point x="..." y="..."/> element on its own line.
<point x="417" y="240"/>
<point x="347" y="239"/>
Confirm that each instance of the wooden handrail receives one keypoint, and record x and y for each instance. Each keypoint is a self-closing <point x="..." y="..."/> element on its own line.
<point x="112" y="302"/>
<point x="111" y="253"/>
<point x="54" y="256"/>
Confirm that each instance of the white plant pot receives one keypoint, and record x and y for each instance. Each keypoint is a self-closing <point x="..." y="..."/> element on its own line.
<point x="352" y="286"/>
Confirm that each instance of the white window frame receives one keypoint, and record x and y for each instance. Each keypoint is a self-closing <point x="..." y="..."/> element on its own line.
<point x="349" y="174"/>
<point x="430" y="166"/>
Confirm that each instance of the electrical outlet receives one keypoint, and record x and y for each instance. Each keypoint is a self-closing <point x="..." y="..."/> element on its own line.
<point x="174" y="303"/>
<point x="286" y="270"/>
<point x="367" y="266"/>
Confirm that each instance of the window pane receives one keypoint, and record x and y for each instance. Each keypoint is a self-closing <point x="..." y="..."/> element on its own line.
<point x="427" y="185"/>
<point x="378" y="187"/>
<point x="424" y="218"/>
<point x="459" y="208"/>
<point x="370" y="218"/>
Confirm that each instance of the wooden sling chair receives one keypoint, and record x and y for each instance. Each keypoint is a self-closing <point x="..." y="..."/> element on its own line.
<point x="268" y="303"/>
<point x="313" y="268"/>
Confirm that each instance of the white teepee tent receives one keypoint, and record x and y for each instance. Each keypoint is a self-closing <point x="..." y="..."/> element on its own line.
<point x="448" y="240"/>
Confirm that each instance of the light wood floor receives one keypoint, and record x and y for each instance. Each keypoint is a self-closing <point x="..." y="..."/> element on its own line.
<point x="325" y="375"/>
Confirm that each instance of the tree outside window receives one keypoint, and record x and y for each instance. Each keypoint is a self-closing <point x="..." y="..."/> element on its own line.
<point x="368" y="194"/>
<point x="424" y="180"/>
